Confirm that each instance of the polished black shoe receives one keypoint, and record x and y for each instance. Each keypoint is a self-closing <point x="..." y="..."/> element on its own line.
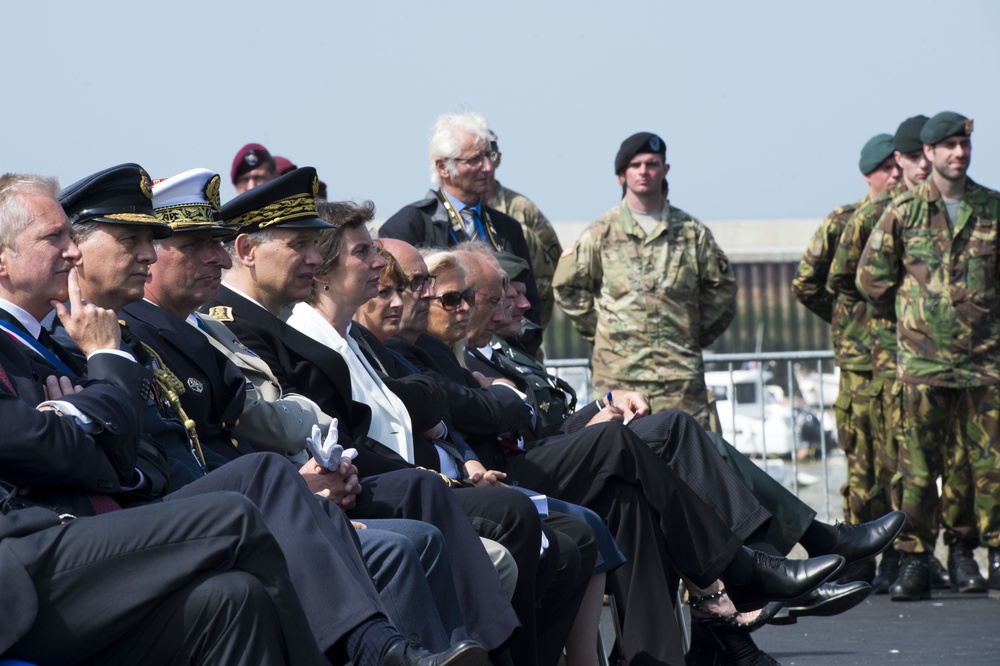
<point x="964" y="570"/>
<point x="940" y="580"/>
<point x="829" y="599"/>
<point x="914" y="580"/>
<point x="779" y="579"/>
<point x="862" y="571"/>
<point x="993" y="570"/>
<point x="858" y="542"/>
<point x="466" y="653"/>
<point x="888" y="570"/>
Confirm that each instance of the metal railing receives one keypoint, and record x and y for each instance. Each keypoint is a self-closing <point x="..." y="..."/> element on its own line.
<point x="782" y="365"/>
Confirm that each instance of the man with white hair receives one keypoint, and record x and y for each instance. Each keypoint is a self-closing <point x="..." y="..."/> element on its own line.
<point x="461" y="165"/>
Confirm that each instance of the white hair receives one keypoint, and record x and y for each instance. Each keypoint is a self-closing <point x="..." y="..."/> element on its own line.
<point x="14" y="213"/>
<point x="447" y="136"/>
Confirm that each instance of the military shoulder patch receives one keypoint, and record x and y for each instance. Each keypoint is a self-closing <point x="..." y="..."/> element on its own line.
<point x="876" y="240"/>
<point x="221" y="312"/>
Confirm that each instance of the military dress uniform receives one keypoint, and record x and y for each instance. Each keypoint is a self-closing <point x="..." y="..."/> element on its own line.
<point x="649" y="303"/>
<point x="943" y="281"/>
<point x="543" y="243"/>
<point x="848" y="317"/>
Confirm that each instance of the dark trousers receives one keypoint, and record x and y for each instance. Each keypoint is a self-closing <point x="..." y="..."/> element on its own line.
<point x="193" y="581"/>
<point x="666" y="511"/>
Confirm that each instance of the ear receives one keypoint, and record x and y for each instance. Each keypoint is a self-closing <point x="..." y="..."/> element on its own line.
<point x="621" y="179"/>
<point x="666" y="170"/>
<point x="928" y="152"/>
<point x="5" y="254"/>
<point x="246" y="250"/>
<point x="441" y="166"/>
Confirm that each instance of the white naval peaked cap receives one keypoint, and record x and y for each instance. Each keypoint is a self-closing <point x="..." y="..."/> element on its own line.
<point x="189" y="201"/>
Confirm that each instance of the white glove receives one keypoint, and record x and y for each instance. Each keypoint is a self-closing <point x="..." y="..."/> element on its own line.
<point x="328" y="452"/>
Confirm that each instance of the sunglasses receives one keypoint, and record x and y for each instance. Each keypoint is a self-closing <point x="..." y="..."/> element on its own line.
<point x="417" y="281"/>
<point x="452" y="300"/>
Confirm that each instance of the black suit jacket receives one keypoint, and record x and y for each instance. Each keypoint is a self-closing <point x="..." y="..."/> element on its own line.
<point x="302" y="365"/>
<point x="52" y="454"/>
<point x="425" y="223"/>
<point x="475" y="411"/>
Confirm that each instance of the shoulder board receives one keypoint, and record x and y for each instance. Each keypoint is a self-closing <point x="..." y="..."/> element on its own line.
<point x="221" y="312"/>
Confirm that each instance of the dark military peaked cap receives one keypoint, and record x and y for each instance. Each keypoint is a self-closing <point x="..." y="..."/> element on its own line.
<point x="288" y="202"/>
<point x="643" y="142"/>
<point x="875" y="151"/>
<point x="189" y="202"/>
<point x="907" y="139"/>
<point x="945" y="125"/>
<point x="122" y="194"/>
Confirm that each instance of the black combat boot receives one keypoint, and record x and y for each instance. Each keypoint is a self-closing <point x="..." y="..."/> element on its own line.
<point x="914" y="580"/>
<point x="964" y="570"/>
<point x="993" y="568"/>
<point x="888" y="571"/>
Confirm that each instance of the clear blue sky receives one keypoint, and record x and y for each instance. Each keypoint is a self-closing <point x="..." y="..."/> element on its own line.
<point x="764" y="105"/>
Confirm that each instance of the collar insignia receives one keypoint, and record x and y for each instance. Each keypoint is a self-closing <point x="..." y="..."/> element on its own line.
<point x="221" y="312"/>
<point x="195" y="385"/>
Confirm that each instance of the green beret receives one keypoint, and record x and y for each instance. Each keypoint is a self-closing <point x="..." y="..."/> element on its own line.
<point x="878" y="148"/>
<point x="642" y="142"/>
<point x="944" y="125"/>
<point x="907" y="139"/>
<point x="516" y="268"/>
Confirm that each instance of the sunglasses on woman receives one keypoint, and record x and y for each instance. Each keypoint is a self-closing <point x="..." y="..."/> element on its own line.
<point x="452" y="300"/>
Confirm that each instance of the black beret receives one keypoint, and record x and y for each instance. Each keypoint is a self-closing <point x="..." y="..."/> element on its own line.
<point x="878" y="148"/>
<point x="907" y="139"/>
<point x="643" y="142"/>
<point x="944" y="125"/>
<point x="516" y="268"/>
<point x="288" y="201"/>
<point x="122" y="194"/>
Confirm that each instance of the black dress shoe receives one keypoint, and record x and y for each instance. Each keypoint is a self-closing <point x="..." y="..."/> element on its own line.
<point x="940" y="580"/>
<point x="914" y="580"/>
<point x="858" y="542"/>
<point x="862" y="571"/>
<point x="964" y="570"/>
<point x="466" y="653"/>
<point x="829" y="599"/>
<point x="779" y="579"/>
<point x="888" y="571"/>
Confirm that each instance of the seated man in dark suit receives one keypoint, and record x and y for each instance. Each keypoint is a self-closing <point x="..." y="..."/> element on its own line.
<point x="461" y="164"/>
<point x="85" y="441"/>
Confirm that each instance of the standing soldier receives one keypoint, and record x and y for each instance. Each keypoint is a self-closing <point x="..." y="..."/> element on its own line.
<point x="648" y="286"/>
<point x="851" y="341"/>
<point x="934" y="255"/>
<point x="885" y="402"/>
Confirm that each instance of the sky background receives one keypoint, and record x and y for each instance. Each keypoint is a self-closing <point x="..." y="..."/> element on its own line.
<point x="764" y="106"/>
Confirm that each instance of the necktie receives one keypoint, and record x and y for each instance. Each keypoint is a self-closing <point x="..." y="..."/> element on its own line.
<point x="469" y="218"/>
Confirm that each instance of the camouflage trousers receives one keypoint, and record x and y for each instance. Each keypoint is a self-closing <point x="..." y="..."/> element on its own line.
<point x="955" y="434"/>
<point x="886" y="413"/>
<point x="862" y="499"/>
<point x="686" y="395"/>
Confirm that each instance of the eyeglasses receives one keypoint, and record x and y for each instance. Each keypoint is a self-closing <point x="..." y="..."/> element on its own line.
<point x="476" y="160"/>
<point x="494" y="302"/>
<point x="452" y="300"/>
<point x="418" y="281"/>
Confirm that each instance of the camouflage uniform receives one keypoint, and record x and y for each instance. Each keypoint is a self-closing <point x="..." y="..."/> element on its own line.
<point x="848" y="316"/>
<point x="885" y="403"/>
<point x="649" y="303"/>
<point x="944" y="283"/>
<point x="543" y="243"/>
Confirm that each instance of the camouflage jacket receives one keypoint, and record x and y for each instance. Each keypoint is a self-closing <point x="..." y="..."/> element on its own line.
<point x="943" y="281"/>
<point x="543" y="243"/>
<point x="848" y="315"/>
<point x="843" y="281"/>
<point x="648" y="303"/>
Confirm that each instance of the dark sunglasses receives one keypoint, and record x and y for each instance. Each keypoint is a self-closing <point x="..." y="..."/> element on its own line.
<point x="452" y="300"/>
<point x="418" y="281"/>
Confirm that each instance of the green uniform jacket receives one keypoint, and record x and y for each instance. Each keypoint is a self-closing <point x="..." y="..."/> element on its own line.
<point x="943" y="282"/>
<point x="843" y="281"/>
<point x="847" y="315"/>
<point x="648" y="303"/>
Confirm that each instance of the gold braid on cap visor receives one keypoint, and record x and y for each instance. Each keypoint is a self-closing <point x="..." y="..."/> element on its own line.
<point x="185" y="216"/>
<point x="290" y="208"/>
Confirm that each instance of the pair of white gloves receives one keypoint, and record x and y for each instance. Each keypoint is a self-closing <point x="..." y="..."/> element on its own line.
<point x="327" y="452"/>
